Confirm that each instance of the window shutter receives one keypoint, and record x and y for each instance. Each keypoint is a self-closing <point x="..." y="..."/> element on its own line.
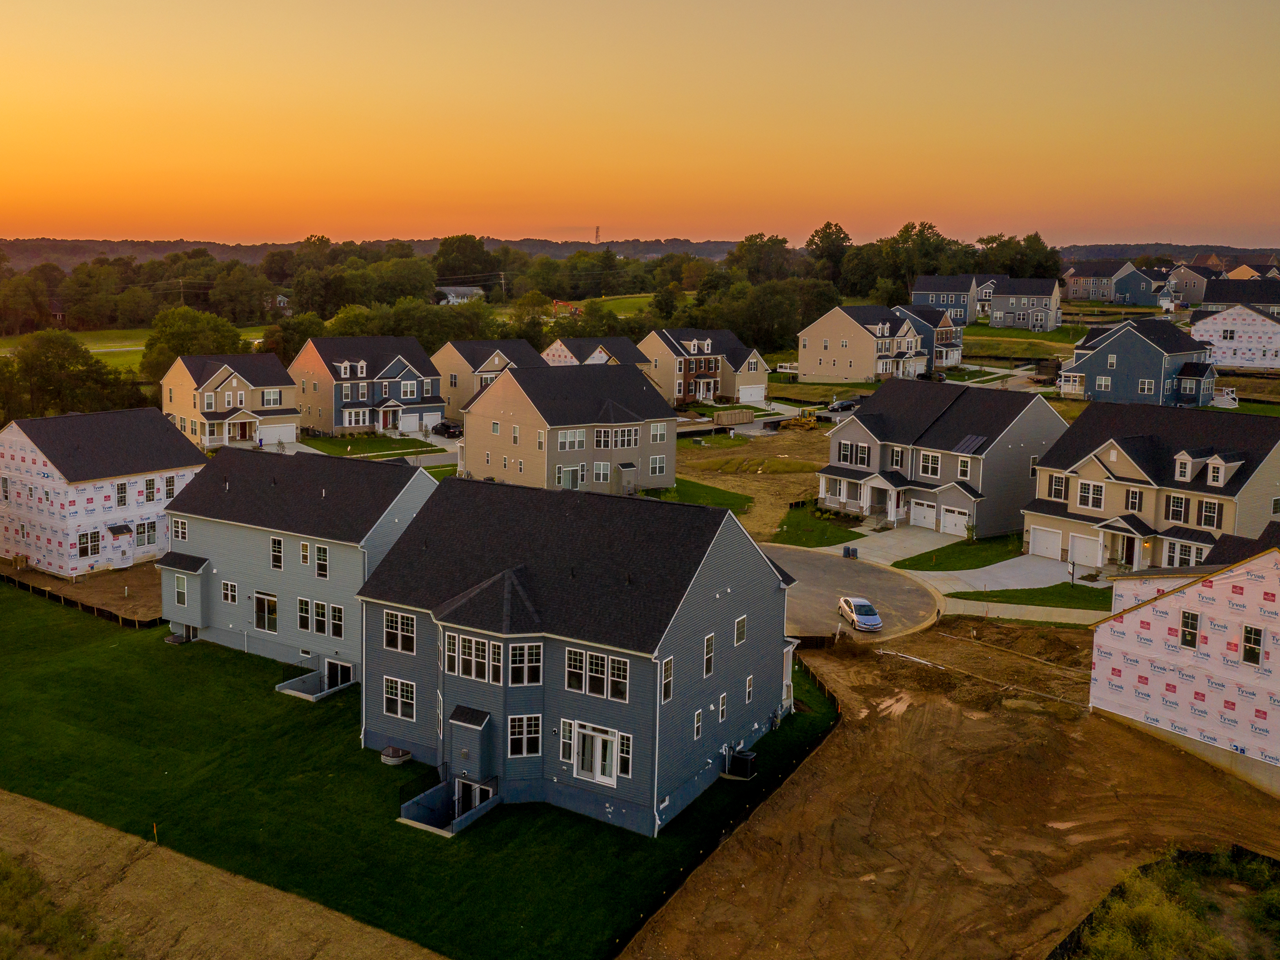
<point x="1168" y="506"/>
<point x="1199" y="513"/>
<point x="1139" y="510"/>
<point x="1221" y="510"/>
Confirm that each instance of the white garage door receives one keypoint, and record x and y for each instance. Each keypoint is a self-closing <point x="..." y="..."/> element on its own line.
<point x="1085" y="550"/>
<point x="954" y="521"/>
<point x="751" y="394"/>
<point x="408" y="423"/>
<point x="287" y="432"/>
<point x="923" y="514"/>
<point x="429" y="420"/>
<point x="1046" y="543"/>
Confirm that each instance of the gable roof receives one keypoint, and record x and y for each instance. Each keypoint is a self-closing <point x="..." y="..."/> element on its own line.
<point x="376" y="352"/>
<point x="589" y="393"/>
<point x="973" y="421"/>
<point x="1024" y="287"/>
<point x="1151" y="436"/>
<point x="872" y="316"/>
<point x="1165" y="335"/>
<point x="1198" y="315"/>
<point x="924" y="313"/>
<point x="620" y="348"/>
<point x="1232" y="549"/>
<point x="1201" y="270"/>
<point x="1096" y="268"/>
<point x="114" y="443"/>
<point x="312" y="495"/>
<point x="258" y="369"/>
<point x="1264" y="291"/>
<point x="517" y="352"/>
<point x="961" y="283"/>
<point x="723" y="342"/>
<point x="587" y="566"/>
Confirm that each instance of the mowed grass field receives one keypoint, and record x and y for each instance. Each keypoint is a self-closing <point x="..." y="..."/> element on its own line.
<point x="122" y="728"/>
<point x="120" y="349"/>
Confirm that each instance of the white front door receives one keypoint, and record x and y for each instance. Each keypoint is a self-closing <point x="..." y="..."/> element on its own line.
<point x="954" y="521"/>
<point x="1086" y="551"/>
<point x="924" y="514"/>
<point x="1046" y="543"/>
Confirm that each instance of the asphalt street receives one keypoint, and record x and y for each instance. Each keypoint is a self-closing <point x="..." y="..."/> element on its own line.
<point x="823" y="578"/>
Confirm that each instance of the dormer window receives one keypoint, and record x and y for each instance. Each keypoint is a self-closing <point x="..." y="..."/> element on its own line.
<point x="693" y="347"/>
<point x="360" y="369"/>
<point x="706" y="346"/>
<point x="1184" y="470"/>
<point x="1215" y="474"/>
<point x="345" y="370"/>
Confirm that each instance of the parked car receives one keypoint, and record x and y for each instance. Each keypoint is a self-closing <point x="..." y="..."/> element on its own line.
<point x="939" y="376"/>
<point x="860" y="614"/>
<point x="841" y="405"/>
<point x="446" y="429"/>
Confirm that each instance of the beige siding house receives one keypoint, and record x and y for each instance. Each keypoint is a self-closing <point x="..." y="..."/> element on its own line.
<point x="860" y="344"/>
<point x="602" y="427"/>
<point x="690" y="365"/>
<point x="1138" y="486"/>
<point x="246" y="398"/>
<point x="465" y="366"/>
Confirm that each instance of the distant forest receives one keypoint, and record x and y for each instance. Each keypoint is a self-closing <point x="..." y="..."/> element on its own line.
<point x="1174" y="251"/>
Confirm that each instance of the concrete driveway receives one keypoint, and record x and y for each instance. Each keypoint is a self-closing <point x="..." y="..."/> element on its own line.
<point x="897" y="544"/>
<point x="823" y="578"/>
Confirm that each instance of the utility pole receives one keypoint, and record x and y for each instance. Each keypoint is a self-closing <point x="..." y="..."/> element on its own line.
<point x="502" y="277"/>
<point x="597" y="234"/>
<point x="182" y="297"/>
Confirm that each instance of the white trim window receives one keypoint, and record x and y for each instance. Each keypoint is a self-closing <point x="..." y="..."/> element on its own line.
<point x="277" y="553"/>
<point x="657" y="433"/>
<point x="668" y="678"/>
<point x="304" y="554"/>
<point x="624" y="755"/>
<point x="335" y="621"/>
<point x="573" y="439"/>
<point x="265" y="612"/>
<point x="740" y="631"/>
<point x="724" y="706"/>
<point x="1176" y="508"/>
<point x="600" y="471"/>
<point x="409" y="390"/>
<point x="397" y="698"/>
<point x="1146" y="388"/>
<point x="210" y="401"/>
<point x="399" y="631"/>
<point x="451" y="653"/>
<point x="90" y="543"/>
<point x="1184" y="469"/>
<point x="1215" y="474"/>
<point x="271" y="398"/>
<point x="1133" y="500"/>
<point x="524" y="735"/>
<point x="322" y="562"/>
<point x="844" y="453"/>
<point x="930" y="465"/>
<point x="658" y="466"/>
<point x="319" y="613"/>
<point x="619" y="678"/>
<point x="1089" y="495"/>
<point x="179" y="529"/>
<point x="151" y="489"/>
<point x="566" y="741"/>
<point x="697" y="724"/>
<point x="862" y="455"/>
<point x="1209" y="510"/>
<point x="1102" y="384"/>
<point x="495" y="662"/>
<point x="1251" y="646"/>
<point x="304" y="615"/>
<point x="597" y="667"/>
<point x="895" y="458"/>
<point x="229" y="592"/>
<point x="525" y="669"/>
<point x="751" y="684"/>
<point x="575" y="670"/>
<point x="962" y="468"/>
<point x="595" y="754"/>
<point x="708" y="655"/>
<point x="180" y="590"/>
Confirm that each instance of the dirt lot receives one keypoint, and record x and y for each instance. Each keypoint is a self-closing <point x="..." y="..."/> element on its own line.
<point x="763" y="469"/>
<point x="947" y="817"/>
<point x="164" y="906"/>
<point x="105" y="589"/>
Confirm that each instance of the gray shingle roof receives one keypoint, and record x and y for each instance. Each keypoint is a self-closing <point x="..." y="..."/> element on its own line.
<point x="335" y="498"/>
<point x="259" y="369"/>
<point x="723" y="342"/>
<point x="518" y="352"/>
<point x="590" y="393"/>
<point x="593" y="567"/>
<point x="1095" y="268"/>
<point x="182" y="561"/>
<point x="962" y="283"/>
<point x="941" y="416"/>
<point x="871" y="316"/>
<point x="114" y="443"/>
<point x="1232" y="549"/>
<point x="924" y="313"/>
<point x="1265" y="291"/>
<point x="1164" y="334"/>
<point x="469" y="716"/>
<point x="620" y="348"/>
<point x="1151" y="436"/>
<point x="1024" y="287"/>
<point x="376" y="352"/>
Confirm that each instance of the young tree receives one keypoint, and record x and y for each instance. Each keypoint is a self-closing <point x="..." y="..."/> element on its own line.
<point x="184" y="331"/>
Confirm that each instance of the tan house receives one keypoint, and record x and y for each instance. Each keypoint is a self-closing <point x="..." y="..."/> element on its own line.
<point x="466" y="366"/>
<point x="1140" y="486"/>
<point x="860" y="344"/>
<point x="246" y="398"/>
<point x="602" y="427"/>
<point x="570" y="351"/>
<point x="1187" y="282"/>
<point x="689" y="365"/>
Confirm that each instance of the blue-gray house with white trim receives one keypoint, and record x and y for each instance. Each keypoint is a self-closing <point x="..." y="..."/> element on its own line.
<point x="606" y="654"/>
<point x="1146" y="360"/>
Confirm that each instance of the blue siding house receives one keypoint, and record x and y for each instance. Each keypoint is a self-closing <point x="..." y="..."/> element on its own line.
<point x="1139" y="286"/>
<point x="941" y="337"/>
<point x="610" y="655"/>
<point x="1148" y="360"/>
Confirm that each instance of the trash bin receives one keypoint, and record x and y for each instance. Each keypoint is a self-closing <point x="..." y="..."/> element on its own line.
<point x="850" y="553"/>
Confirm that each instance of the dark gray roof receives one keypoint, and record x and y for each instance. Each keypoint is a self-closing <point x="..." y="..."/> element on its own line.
<point x="508" y="559"/>
<point x="181" y="561"/>
<point x="1151" y="436"/>
<point x="723" y="342"/>
<point x="924" y="313"/>
<point x="259" y="369"/>
<point x="962" y="283"/>
<point x="114" y="443"/>
<point x="1024" y="287"/>
<point x="1198" y="315"/>
<point x="469" y="716"/>
<point x="590" y="393"/>
<point x="1265" y="291"/>
<point x="1195" y="370"/>
<point x="845" y="473"/>
<point x="1232" y="549"/>
<point x="517" y="352"/>
<point x="871" y="316"/>
<point x="786" y="578"/>
<point x="942" y="416"/>
<point x="376" y="352"/>
<point x="1095" y="268"/>
<point x="1056" y="508"/>
<point x="1208" y="273"/>
<point x="119" y="529"/>
<point x="1164" y="334"/>
<point x="336" y="498"/>
<point x="1188" y="534"/>
<point x="620" y="348"/>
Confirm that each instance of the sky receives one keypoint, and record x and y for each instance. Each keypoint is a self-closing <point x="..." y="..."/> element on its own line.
<point x="238" y="121"/>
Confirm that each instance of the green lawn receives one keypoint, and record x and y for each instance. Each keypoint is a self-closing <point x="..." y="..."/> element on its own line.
<point x="369" y="444"/>
<point x="801" y="527"/>
<point x="687" y="491"/>
<point x="118" y="726"/>
<point x="715" y="441"/>
<point x="1067" y="333"/>
<point x="710" y="411"/>
<point x="966" y="554"/>
<point x="98" y="340"/>
<point x="1260" y="409"/>
<point x="442" y="471"/>
<point x="624" y="305"/>
<point x="1078" y="597"/>
<point x="967" y="376"/>
<point x="994" y="378"/>
<point x="1022" y="349"/>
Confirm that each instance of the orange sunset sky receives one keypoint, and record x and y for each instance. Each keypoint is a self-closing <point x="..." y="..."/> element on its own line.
<point x="1124" y="120"/>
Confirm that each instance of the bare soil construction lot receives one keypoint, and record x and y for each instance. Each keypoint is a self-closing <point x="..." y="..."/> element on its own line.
<point x="947" y="817"/>
<point x="106" y="589"/>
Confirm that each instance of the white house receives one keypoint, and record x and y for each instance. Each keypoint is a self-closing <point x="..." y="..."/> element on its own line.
<point x="1239" y="336"/>
<point x="1195" y="665"/>
<point x="86" y="492"/>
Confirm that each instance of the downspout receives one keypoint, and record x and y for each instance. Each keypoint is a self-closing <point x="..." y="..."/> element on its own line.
<point x="657" y="730"/>
<point x="363" y="651"/>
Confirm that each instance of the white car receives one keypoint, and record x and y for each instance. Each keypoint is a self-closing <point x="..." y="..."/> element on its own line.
<point x="860" y="614"/>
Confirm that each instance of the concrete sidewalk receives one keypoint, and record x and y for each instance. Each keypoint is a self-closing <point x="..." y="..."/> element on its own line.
<point x="1019" y="611"/>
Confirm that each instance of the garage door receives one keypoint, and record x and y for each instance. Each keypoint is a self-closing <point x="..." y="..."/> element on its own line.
<point x="408" y="423"/>
<point x="429" y="420"/>
<point x="923" y="514"/>
<point x="287" y="432"/>
<point x="1085" y="550"/>
<point x="751" y="394"/>
<point x="954" y="521"/>
<point x="1046" y="543"/>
